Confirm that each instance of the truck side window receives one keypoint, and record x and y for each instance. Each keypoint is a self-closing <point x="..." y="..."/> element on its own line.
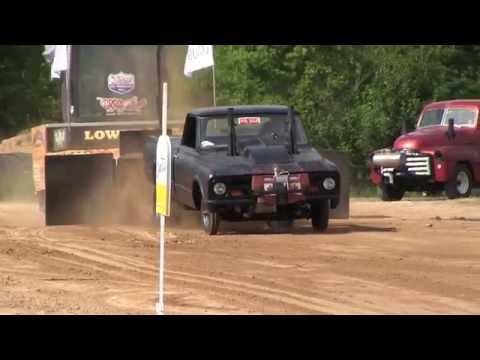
<point x="189" y="133"/>
<point x="431" y="118"/>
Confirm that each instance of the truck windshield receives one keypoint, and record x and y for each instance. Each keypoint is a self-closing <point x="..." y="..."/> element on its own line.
<point x="115" y="82"/>
<point x="431" y="118"/>
<point x="250" y="130"/>
<point x="462" y="117"/>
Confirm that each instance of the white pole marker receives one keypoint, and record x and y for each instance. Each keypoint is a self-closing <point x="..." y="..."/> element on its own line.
<point x="163" y="194"/>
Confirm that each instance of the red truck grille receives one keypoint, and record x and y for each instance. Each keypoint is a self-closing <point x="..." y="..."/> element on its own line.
<point x="418" y="165"/>
<point x="413" y="165"/>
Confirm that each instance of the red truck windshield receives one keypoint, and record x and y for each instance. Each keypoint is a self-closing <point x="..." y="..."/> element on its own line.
<point x="462" y="117"/>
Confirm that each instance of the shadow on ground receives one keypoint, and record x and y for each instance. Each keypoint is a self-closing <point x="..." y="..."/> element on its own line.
<point x="334" y="229"/>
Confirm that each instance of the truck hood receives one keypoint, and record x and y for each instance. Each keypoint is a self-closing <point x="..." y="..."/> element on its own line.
<point x="421" y="139"/>
<point x="260" y="160"/>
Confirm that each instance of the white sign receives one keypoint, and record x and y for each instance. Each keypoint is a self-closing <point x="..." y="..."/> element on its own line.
<point x="198" y="57"/>
<point x="164" y="175"/>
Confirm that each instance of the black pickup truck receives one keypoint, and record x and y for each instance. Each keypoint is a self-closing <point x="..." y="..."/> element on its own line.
<point x="250" y="163"/>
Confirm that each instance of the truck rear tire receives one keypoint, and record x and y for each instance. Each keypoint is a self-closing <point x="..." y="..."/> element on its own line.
<point x="320" y="214"/>
<point x="391" y="193"/>
<point x="460" y="185"/>
<point x="210" y="221"/>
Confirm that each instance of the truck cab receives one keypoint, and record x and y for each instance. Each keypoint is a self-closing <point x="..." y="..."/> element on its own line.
<point x="442" y="154"/>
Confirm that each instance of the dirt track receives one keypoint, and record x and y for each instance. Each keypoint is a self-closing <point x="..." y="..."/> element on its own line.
<point x="419" y="257"/>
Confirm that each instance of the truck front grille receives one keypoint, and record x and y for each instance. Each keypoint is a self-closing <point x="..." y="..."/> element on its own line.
<point x="418" y="165"/>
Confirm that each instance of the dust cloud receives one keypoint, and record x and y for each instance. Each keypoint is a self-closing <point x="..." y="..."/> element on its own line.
<point x="184" y="94"/>
<point x="16" y="178"/>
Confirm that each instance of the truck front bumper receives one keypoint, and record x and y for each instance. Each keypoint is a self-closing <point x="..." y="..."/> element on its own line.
<point x="408" y="169"/>
<point x="222" y="205"/>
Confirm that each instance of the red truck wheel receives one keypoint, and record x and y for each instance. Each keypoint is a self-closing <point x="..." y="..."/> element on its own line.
<point x="460" y="185"/>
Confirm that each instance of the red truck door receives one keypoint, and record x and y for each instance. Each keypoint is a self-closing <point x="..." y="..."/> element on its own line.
<point x="475" y="143"/>
<point x="466" y="144"/>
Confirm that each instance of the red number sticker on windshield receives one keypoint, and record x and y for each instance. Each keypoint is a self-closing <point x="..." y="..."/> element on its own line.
<point x="250" y="121"/>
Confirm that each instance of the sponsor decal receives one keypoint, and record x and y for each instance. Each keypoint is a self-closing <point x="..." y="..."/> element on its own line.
<point x="117" y="106"/>
<point x="121" y="83"/>
<point x="60" y="138"/>
<point x="101" y="135"/>
<point x="249" y="121"/>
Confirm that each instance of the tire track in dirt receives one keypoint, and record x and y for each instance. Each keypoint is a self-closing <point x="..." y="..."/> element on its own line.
<point x="273" y="294"/>
<point x="205" y="281"/>
<point x="186" y="301"/>
<point x="293" y="298"/>
<point x="37" y="235"/>
<point x="360" y="267"/>
<point x="224" y="285"/>
<point x="217" y="287"/>
<point x="220" y="285"/>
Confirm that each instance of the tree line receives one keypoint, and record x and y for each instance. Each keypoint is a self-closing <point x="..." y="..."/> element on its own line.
<point x="27" y="96"/>
<point x="351" y="98"/>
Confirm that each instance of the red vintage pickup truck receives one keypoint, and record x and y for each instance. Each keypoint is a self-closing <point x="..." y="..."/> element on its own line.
<point x="442" y="154"/>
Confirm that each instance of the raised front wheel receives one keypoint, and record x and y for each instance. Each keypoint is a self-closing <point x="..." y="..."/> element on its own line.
<point x="210" y="220"/>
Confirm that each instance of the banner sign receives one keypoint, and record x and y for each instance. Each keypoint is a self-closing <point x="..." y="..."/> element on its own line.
<point x="198" y="57"/>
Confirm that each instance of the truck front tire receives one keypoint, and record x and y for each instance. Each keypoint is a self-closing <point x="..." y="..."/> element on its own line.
<point x="390" y="192"/>
<point x="460" y="185"/>
<point x="210" y="221"/>
<point x="320" y="214"/>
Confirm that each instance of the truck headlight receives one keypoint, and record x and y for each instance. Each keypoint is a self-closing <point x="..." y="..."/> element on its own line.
<point x="220" y="189"/>
<point x="329" y="184"/>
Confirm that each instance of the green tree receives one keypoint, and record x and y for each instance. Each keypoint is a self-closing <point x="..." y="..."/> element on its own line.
<point x="27" y="96"/>
<point x="352" y="98"/>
